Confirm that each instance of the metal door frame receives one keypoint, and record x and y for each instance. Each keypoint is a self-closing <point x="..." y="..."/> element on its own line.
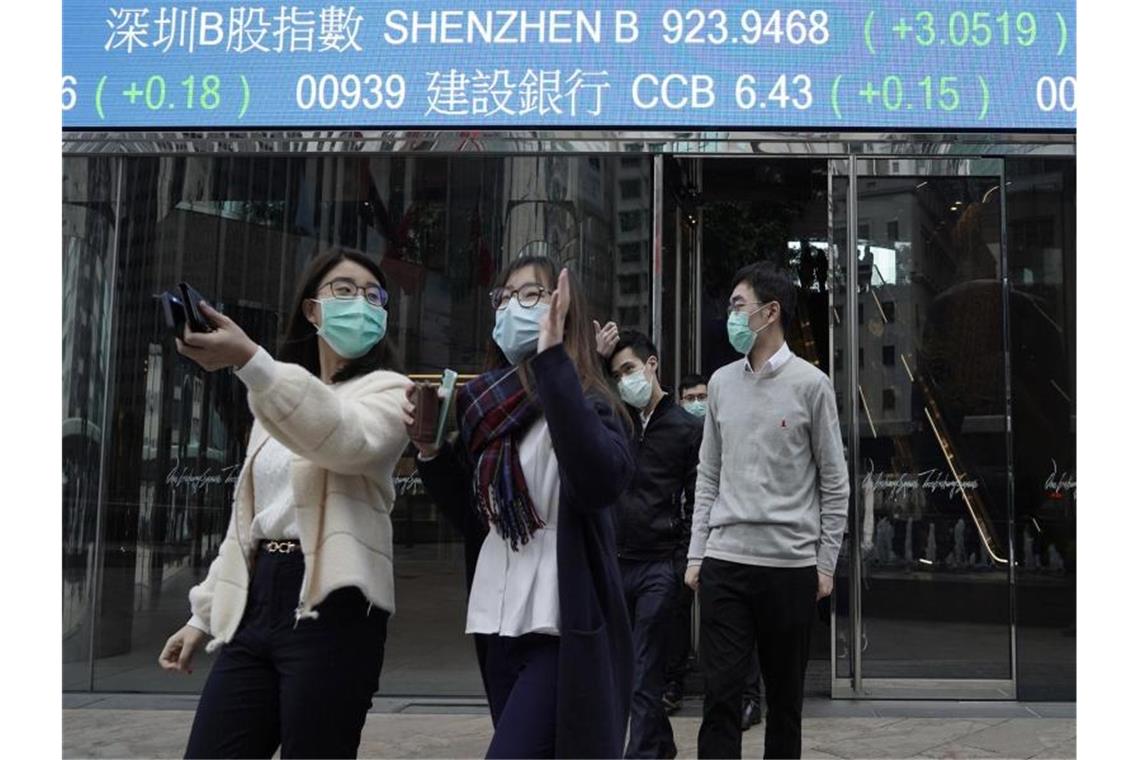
<point x="855" y="685"/>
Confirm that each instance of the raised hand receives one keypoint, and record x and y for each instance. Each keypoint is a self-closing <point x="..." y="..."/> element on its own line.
<point x="553" y="326"/>
<point x="606" y="338"/>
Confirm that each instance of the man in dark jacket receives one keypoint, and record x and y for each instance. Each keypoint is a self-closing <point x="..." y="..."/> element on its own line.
<point x="653" y="524"/>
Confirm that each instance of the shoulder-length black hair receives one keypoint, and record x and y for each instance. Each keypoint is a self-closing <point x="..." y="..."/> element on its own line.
<point x="299" y="340"/>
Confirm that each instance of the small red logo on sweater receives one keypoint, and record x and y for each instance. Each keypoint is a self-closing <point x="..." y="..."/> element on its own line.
<point x="783" y="423"/>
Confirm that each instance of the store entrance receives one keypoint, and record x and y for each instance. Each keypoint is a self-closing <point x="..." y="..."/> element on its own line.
<point x="953" y="337"/>
<point x="915" y="344"/>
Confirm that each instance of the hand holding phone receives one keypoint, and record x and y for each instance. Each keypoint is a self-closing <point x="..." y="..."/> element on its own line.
<point x="181" y="309"/>
<point x="224" y="345"/>
<point x="425" y="399"/>
<point x="426" y="412"/>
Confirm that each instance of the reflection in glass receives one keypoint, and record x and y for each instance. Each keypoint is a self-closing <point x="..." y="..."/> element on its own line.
<point x="1042" y="267"/>
<point x="932" y="463"/>
<point x="89" y="187"/>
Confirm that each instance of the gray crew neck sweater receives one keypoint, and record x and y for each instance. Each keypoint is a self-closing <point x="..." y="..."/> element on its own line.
<point x="772" y="483"/>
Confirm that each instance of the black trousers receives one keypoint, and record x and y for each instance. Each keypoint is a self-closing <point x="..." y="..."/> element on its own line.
<point x="752" y="690"/>
<point x="522" y="688"/>
<point x="650" y="592"/>
<point x="680" y="631"/>
<point x="746" y="609"/>
<point x="304" y="686"/>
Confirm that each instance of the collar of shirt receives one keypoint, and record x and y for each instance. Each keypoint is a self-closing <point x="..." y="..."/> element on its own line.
<point x="777" y="360"/>
<point x="646" y="417"/>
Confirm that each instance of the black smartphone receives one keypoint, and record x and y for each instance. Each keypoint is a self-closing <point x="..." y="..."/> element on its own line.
<point x="173" y="312"/>
<point x="194" y="317"/>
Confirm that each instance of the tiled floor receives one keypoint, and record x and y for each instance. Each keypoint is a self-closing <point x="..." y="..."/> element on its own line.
<point x="143" y="727"/>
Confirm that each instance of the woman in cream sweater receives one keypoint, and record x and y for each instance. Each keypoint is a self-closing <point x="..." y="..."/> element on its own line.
<point x="300" y="593"/>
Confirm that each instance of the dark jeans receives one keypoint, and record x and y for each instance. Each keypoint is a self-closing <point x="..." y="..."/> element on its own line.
<point x="305" y="686"/>
<point x="680" y="632"/>
<point x="746" y="609"/>
<point x="522" y="687"/>
<point x="650" y="590"/>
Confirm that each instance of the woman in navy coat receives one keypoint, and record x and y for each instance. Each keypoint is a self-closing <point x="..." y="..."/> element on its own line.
<point x="543" y="453"/>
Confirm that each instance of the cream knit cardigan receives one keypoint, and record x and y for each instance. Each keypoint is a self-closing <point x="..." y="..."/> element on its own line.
<point x="346" y="440"/>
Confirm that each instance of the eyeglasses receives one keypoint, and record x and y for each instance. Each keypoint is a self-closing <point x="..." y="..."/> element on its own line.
<point x="345" y="288"/>
<point x="736" y="306"/>
<point x="528" y="296"/>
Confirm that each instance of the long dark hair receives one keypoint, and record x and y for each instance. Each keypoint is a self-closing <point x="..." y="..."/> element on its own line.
<point x="299" y="340"/>
<point x="578" y="338"/>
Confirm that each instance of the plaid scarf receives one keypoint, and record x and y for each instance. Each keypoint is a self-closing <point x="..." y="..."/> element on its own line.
<point x="492" y="410"/>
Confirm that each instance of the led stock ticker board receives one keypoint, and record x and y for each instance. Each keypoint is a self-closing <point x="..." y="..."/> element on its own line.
<point x="891" y="64"/>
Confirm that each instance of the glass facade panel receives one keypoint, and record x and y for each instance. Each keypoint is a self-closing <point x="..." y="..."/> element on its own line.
<point x="89" y="223"/>
<point x="932" y="464"/>
<point x="1041" y="235"/>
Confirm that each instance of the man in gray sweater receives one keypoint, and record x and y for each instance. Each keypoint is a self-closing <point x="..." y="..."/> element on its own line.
<point x="770" y="512"/>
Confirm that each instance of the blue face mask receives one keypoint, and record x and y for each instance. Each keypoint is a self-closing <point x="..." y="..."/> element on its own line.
<point x="740" y="334"/>
<point x="695" y="408"/>
<point x="351" y="326"/>
<point x="635" y="389"/>
<point x="516" y="329"/>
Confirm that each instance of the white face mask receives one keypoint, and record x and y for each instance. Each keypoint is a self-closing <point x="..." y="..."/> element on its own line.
<point x="635" y="389"/>
<point x="516" y="329"/>
<point x="695" y="407"/>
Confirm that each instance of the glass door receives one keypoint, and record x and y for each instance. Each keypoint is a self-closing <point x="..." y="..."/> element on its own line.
<point x="922" y="378"/>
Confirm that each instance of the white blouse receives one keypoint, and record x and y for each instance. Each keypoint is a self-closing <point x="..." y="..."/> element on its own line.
<point x="274" y="509"/>
<point x="516" y="592"/>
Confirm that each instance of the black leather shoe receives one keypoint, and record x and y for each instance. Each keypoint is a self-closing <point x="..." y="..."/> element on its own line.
<point x="673" y="698"/>
<point x="753" y="714"/>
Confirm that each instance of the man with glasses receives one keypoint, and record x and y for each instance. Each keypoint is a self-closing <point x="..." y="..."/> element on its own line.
<point x="771" y="508"/>
<point x="694" y="394"/>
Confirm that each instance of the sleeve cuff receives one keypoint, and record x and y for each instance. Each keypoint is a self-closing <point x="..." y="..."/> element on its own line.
<point x="551" y="356"/>
<point x="199" y="623"/>
<point x="694" y="562"/>
<point x="259" y="372"/>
